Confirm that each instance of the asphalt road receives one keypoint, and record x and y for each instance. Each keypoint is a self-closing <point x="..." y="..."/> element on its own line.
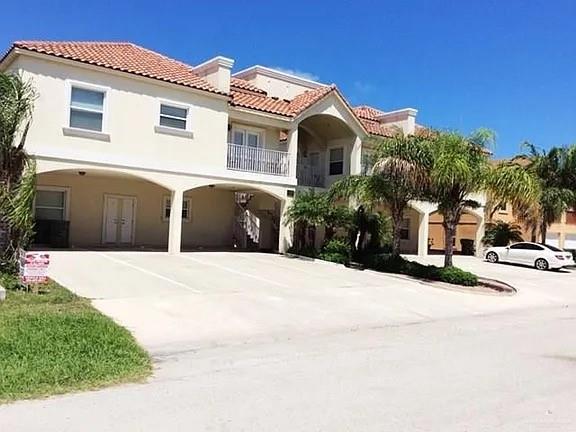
<point x="514" y="371"/>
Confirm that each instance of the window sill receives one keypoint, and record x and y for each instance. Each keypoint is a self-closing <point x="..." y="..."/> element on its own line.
<point x="174" y="132"/>
<point x="83" y="133"/>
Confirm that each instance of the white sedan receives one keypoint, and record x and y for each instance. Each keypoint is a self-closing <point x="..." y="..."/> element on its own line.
<point x="538" y="255"/>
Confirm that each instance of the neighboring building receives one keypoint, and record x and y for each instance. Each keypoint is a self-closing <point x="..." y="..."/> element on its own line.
<point x="135" y="149"/>
<point x="561" y="233"/>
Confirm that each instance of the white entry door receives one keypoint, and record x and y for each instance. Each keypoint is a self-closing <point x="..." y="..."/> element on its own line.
<point x="119" y="218"/>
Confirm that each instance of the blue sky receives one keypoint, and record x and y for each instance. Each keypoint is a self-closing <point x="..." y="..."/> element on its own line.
<point x="506" y="65"/>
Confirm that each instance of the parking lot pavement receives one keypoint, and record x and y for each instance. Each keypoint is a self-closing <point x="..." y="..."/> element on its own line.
<point x="206" y="298"/>
<point x="548" y="286"/>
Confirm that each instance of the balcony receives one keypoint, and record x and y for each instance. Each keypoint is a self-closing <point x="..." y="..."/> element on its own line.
<point x="312" y="176"/>
<point x="258" y="160"/>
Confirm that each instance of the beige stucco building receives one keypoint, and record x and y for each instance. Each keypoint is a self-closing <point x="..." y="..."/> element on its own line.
<point x="138" y="150"/>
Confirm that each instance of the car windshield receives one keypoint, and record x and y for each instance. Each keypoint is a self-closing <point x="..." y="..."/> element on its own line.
<point x="552" y="248"/>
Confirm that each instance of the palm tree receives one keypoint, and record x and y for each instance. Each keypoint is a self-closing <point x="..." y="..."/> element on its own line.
<point x="16" y="168"/>
<point x="501" y="233"/>
<point x="398" y="176"/>
<point x="460" y="170"/>
<point x="555" y="171"/>
<point x="305" y="213"/>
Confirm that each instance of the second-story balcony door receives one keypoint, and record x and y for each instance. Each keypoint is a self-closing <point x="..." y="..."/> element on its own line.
<point x="245" y="137"/>
<point x="310" y="170"/>
<point x="246" y="152"/>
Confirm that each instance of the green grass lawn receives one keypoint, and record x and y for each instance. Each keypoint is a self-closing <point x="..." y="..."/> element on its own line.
<point x="56" y="342"/>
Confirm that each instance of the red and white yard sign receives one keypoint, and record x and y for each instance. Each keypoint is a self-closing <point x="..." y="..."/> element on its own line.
<point x="34" y="267"/>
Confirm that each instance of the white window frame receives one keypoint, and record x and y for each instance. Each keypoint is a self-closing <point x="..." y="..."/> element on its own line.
<point x="343" y="160"/>
<point x="66" y="191"/>
<point x="261" y="133"/>
<point x="93" y="87"/>
<point x="174" y="104"/>
<point x="167" y="199"/>
<point x="405" y="227"/>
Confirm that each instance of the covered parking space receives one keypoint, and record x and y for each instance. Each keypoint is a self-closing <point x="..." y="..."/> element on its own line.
<point x="83" y="206"/>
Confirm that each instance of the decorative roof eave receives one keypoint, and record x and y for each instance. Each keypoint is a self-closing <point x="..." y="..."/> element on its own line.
<point x="20" y="48"/>
<point x="335" y="91"/>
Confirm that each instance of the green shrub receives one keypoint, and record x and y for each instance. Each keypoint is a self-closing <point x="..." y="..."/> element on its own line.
<point x="388" y="263"/>
<point x="307" y="251"/>
<point x="457" y="276"/>
<point x="336" y="250"/>
<point x="9" y="281"/>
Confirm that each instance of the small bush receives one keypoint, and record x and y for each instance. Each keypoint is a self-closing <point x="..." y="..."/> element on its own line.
<point x="388" y="263"/>
<point x="9" y="281"/>
<point x="336" y="250"/>
<point x="308" y="251"/>
<point x="457" y="276"/>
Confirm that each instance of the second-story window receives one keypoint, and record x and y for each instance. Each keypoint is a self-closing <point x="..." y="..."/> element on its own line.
<point x="87" y="109"/>
<point x="173" y="117"/>
<point x="336" y="161"/>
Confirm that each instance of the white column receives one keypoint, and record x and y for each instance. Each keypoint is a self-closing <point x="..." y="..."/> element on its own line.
<point x="356" y="157"/>
<point x="423" y="224"/>
<point x="175" y="231"/>
<point x="285" y="235"/>
<point x="293" y="150"/>
<point x="480" y="226"/>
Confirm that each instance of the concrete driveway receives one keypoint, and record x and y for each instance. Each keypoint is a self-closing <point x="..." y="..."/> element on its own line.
<point x="202" y="299"/>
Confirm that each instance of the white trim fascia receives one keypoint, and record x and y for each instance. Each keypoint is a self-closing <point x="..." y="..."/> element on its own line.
<point x="128" y="75"/>
<point x="215" y="62"/>
<point x="9" y="59"/>
<point x="129" y="163"/>
<point x="283" y="119"/>
<point x="404" y="112"/>
<point x="273" y="73"/>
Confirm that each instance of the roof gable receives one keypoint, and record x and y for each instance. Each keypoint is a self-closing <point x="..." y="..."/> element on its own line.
<point x="122" y="56"/>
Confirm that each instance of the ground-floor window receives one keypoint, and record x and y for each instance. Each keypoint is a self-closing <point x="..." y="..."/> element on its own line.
<point x="51" y="204"/>
<point x="405" y="229"/>
<point x="186" y="209"/>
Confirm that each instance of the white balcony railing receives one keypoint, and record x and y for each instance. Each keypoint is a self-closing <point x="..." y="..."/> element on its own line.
<point x="258" y="160"/>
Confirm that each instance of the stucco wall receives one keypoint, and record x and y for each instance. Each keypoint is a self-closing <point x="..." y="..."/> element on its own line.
<point x="466" y="230"/>
<point x="277" y="87"/>
<point x="211" y="221"/>
<point x="132" y="113"/>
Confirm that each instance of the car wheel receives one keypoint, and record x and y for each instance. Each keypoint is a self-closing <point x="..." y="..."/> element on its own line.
<point x="541" y="264"/>
<point x="492" y="257"/>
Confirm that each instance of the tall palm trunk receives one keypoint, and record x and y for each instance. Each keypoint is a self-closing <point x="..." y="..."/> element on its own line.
<point x="397" y="219"/>
<point x="450" y="224"/>
<point x="543" y="232"/>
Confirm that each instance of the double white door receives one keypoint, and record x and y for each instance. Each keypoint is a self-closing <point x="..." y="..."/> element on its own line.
<point x="119" y="219"/>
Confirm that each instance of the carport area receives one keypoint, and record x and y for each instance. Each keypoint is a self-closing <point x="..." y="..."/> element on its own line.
<point x="186" y="301"/>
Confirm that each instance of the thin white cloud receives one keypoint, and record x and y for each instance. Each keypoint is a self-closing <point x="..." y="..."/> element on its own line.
<point x="298" y="73"/>
<point x="363" y="87"/>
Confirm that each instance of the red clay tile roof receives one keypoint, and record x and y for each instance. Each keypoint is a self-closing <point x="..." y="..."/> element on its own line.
<point x="284" y="107"/>
<point x="367" y="112"/>
<point x="125" y="57"/>
<point x="240" y="84"/>
<point x="375" y="128"/>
